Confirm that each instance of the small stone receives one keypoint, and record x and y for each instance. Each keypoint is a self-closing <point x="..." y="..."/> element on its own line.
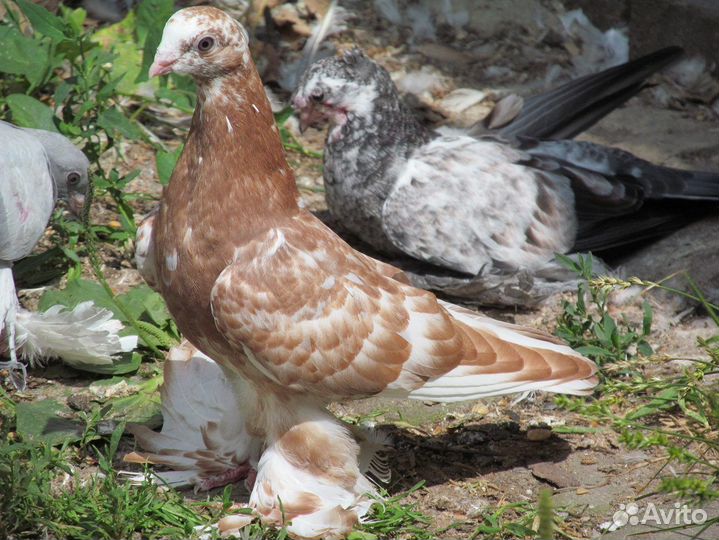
<point x="588" y="460"/>
<point x="631" y="458"/>
<point x="538" y="434"/>
<point x="441" y="503"/>
<point x="480" y="409"/>
<point x="557" y="474"/>
<point x="80" y="402"/>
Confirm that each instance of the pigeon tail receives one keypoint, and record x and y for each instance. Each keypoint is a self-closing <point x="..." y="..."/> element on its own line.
<point x="83" y="336"/>
<point x="529" y="360"/>
<point x="697" y="185"/>
<point x="574" y="107"/>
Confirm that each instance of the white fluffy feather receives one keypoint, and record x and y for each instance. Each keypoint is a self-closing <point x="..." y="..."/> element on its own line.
<point x="85" y="335"/>
<point x="600" y="50"/>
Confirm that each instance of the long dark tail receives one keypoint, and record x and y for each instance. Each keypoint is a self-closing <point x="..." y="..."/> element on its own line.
<point x="566" y="111"/>
<point x="621" y="199"/>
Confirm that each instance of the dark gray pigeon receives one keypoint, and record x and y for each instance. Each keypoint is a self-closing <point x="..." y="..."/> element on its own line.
<point x="36" y="169"/>
<point x="480" y="215"/>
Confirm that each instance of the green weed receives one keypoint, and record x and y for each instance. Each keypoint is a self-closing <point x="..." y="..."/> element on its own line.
<point x="677" y="414"/>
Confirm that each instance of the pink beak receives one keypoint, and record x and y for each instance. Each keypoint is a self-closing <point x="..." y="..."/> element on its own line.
<point x="162" y="65"/>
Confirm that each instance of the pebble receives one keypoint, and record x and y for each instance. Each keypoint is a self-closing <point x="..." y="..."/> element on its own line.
<point x="538" y="434"/>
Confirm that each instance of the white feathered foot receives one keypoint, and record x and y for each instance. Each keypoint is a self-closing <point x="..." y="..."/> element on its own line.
<point x="83" y="336"/>
<point x="8" y="316"/>
<point x="204" y="437"/>
<point x="312" y="460"/>
<point x="308" y="478"/>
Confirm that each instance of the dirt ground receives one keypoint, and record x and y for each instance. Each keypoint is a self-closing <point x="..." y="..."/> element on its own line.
<point x="477" y="455"/>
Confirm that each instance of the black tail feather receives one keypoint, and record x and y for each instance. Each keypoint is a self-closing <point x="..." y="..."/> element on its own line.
<point x="577" y="105"/>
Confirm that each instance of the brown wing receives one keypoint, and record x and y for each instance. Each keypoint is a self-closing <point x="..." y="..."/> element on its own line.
<point x="316" y="316"/>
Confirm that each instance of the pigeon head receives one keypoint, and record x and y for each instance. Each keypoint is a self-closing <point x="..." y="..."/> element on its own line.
<point x="339" y="88"/>
<point x="68" y="167"/>
<point x="202" y="42"/>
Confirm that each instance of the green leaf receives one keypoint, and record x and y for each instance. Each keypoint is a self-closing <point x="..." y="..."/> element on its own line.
<point x="574" y="429"/>
<point x="127" y="363"/>
<point x="77" y="291"/>
<point x="21" y="55"/>
<point x="156" y="308"/>
<point x="282" y="117"/>
<point x="39" y="420"/>
<point x="62" y="92"/>
<point x="43" y="21"/>
<point x="362" y="535"/>
<point x="142" y="407"/>
<point x="647" y="319"/>
<point x="593" y="351"/>
<point x="114" y="122"/>
<point x="120" y="39"/>
<point x="29" y="112"/>
<point x="75" y="18"/>
<point x="644" y="348"/>
<point x="697" y="416"/>
<point x="165" y="162"/>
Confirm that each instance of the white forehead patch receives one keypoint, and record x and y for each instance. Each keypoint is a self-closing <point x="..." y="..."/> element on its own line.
<point x="180" y="28"/>
<point x="187" y="25"/>
<point x="359" y="97"/>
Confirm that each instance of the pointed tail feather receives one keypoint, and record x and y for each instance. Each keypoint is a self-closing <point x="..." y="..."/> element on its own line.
<point x="566" y="111"/>
<point x="526" y="359"/>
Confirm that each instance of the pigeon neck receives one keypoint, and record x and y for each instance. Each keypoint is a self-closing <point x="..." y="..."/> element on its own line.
<point x="391" y="126"/>
<point x="236" y="147"/>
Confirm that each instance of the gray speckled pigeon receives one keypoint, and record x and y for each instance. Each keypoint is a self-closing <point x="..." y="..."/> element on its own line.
<point x="480" y="215"/>
<point x="36" y="169"/>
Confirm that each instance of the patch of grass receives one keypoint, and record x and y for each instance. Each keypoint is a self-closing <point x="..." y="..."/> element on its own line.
<point x="44" y="494"/>
<point x="519" y="520"/>
<point x="677" y="413"/>
<point x="587" y="326"/>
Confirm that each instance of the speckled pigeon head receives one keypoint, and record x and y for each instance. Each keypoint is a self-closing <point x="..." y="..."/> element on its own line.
<point x="347" y="84"/>
<point x="203" y="42"/>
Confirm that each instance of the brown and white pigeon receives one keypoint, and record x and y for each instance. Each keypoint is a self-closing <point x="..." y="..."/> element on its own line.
<point x="37" y="168"/>
<point x="278" y="300"/>
<point x="482" y="216"/>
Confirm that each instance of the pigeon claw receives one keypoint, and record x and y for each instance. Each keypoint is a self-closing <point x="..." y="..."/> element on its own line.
<point x="230" y="476"/>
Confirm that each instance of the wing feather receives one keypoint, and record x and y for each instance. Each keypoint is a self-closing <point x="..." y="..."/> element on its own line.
<point x="27" y="192"/>
<point x="317" y="317"/>
<point x="468" y="205"/>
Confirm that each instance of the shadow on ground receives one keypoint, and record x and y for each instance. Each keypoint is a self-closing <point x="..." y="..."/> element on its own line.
<point x="467" y="451"/>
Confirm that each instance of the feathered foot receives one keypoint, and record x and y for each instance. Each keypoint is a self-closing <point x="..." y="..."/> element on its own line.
<point x="308" y="478"/>
<point x="204" y="436"/>
<point x="8" y="313"/>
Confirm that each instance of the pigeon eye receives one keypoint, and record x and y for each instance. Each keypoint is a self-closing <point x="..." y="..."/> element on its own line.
<point x="73" y="179"/>
<point x="205" y="44"/>
<point x="317" y="96"/>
